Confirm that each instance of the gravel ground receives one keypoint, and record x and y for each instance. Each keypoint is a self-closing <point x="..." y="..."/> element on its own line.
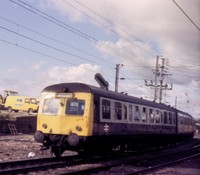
<point x="20" y="147"/>
<point x="188" y="167"/>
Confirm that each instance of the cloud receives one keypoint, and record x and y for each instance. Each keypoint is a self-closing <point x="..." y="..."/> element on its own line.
<point x="12" y="70"/>
<point x="133" y="33"/>
<point x="62" y="8"/>
<point x="83" y="73"/>
<point x="37" y="66"/>
<point x="143" y="28"/>
<point x="37" y="81"/>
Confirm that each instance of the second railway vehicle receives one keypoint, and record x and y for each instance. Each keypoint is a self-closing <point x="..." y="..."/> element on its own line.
<point x="76" y="116"/>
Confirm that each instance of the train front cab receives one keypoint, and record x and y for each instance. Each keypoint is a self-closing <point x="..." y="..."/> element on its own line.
<point x="64" y="120"/>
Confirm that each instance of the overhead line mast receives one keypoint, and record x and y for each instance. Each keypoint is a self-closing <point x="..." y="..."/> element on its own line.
<point x="158" y="84"/>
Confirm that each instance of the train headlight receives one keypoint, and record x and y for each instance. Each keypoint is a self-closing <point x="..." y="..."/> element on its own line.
<point x="44" y="126"/>
<point x="78" y="128"/>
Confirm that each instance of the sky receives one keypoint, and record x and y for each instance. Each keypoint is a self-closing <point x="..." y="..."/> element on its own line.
<point x="44" y="42"/>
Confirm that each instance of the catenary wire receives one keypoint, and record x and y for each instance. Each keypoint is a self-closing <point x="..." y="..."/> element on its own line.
<point x="106" y="27"/>
<point x="41" y="53"/>
<point x="55" y="40"/>
<point x="75" y="31"/>
<point x="186" y="15"/>
<point x="109" y="21"/>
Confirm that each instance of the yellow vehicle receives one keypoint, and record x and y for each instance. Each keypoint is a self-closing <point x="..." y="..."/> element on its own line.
<point x="5" y="95"/>
<point x="21" y="103"/>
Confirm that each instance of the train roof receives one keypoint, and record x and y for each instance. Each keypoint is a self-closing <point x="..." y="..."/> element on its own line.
<point x="184" y="113"/>
<point x="81" y="87"/>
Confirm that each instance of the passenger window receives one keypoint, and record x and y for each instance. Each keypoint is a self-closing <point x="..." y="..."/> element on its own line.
<point x="165" y="118"/>
<point x="75" y="107"/>
<point x="130" y="113"/>
<point x="125" y="111"/>
<point x="161" y="116"/>
<point x="170" y="118"/>
<point x="157" y="117"/>
<point x="117" y="111"/>
<point x="106" y="109"/>
<point x="151" y="115"/>
<point x="137" y="114"/>
<point x="144" y="115"/>
<point x="174" y="118"/>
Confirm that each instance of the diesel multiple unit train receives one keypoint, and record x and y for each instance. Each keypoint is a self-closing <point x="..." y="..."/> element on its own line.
<point x="76" y="116"/>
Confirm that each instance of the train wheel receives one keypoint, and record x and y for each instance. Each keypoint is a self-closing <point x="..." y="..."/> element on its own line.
<point x="57" y="151"/>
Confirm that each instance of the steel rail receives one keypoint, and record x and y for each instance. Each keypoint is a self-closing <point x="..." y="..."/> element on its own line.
<point x="33" y="164"/>
<point x="143" y="158"/>
<point x="149" y="169"/>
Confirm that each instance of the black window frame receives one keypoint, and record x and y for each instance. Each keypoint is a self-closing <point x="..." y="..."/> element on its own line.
<point x="72" y="110"/>
<point x="117" y="110"/>
<point x="106" y="109"/>
<point x="165" y="117"/>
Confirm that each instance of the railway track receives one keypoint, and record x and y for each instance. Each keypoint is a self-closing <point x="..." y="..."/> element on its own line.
<point x="23" y="166"/>
<point x="141" y="165"/>
<point x="36" y="165"/>
<point x="129" y="163"/>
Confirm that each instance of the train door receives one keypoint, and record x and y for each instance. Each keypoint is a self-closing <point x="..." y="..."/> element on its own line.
<point x="96" y="115"/>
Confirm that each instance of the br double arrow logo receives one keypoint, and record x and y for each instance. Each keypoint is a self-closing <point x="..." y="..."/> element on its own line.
<point x="106" y="127"/>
